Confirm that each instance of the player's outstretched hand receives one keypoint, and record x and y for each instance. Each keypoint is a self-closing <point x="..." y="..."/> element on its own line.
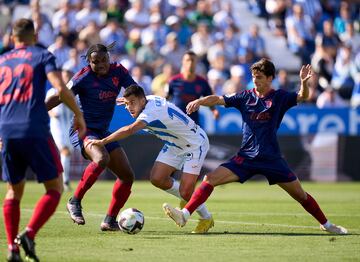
<point x="305" y="73"/>
<point x="192" y="106"/>
<point x="120" y="101"/>
<point x="80" y="126"/>
<point x="93" y="142"/>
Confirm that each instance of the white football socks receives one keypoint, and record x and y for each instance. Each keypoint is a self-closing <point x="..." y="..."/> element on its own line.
<point x="201" y="210"/>
<point x="65" y="161"/>
<point x="174" y="190"/>
<point x="327" y="224"/>
<point x="186" y="213"/>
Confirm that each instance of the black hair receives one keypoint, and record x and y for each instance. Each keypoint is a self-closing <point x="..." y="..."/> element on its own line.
<point x="264" y="66"/>
<point x="190" y="53"/>
<point x="98" y="48"/>
<point x="135" y="90"/>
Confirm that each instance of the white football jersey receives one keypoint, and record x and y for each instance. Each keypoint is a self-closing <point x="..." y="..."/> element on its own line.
<point x="171" y="125"/>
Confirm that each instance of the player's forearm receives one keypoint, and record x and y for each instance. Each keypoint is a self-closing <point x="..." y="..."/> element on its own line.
<point x="121" y="133"/>
<point x="67" y="97"/>
<point x="210" y="101"/>
<point x="64" y="94"/>
<point x="303" y="93"/>
<point x="52" y="101"/>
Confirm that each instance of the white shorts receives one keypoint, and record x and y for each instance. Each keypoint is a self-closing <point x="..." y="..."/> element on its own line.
<point x="60" y="133"/>
<point x="189" y="161"/>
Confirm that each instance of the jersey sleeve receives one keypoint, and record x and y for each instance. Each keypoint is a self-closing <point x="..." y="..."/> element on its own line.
<point x="126" y="79"/>
<point x="145" y="116"/>
<point x="233" y="100"/>
<point x="74" y="85"/>
<point x="49" y="62"/>
<point x="289" y="100"/>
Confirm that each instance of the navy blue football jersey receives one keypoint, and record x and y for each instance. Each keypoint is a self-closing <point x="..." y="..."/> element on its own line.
<point x="97" y="95"/>
<point x="261" y="120"/>
<point x="22" y="92"/>
<point x="182" y="92"/>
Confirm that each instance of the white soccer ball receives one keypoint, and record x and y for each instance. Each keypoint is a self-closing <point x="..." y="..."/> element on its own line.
<point x="131" y="221"/>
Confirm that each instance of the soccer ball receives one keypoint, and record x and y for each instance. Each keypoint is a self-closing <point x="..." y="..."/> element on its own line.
<point x="131" y="221"/>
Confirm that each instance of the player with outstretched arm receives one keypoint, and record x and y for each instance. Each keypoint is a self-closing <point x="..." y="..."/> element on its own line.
<point x="262" y="109"/>
<point x="185" y="148"/>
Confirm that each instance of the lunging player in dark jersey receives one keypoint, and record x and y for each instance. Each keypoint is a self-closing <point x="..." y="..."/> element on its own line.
<point x="262" y="109"/>
<point x="188" y="86"/>
<point x="96" y="87"/>
<point x="26" y="138"/>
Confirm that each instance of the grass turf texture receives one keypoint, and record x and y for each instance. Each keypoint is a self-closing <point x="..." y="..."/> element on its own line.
<point x="253" y="222"/>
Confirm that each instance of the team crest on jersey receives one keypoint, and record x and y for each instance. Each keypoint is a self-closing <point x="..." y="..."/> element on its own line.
<point x="115" y="81"/>
<point x="198" y="89"/>
<point x="268" y="103"/>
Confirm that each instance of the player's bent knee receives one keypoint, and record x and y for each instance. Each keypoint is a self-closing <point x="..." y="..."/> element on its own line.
<point x="210" y="179"/>
<point x="157" y="181"/>
<point x="128" y="177"/>
<point x="103" y="161"/>
<point x="186" y="194"/>
<point x="11" y="194"/>
<point x="55" y="184"/>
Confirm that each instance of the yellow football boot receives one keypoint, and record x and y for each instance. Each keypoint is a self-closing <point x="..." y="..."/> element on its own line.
<point x="203" y="225"/>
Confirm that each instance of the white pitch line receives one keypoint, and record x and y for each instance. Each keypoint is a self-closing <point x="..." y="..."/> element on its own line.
<point x="281" y="214"/>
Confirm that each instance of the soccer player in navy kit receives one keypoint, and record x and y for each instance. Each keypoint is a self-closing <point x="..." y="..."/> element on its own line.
<point x="188" y="86"/>
<point x="26" y="138"/>
<point x="96" y="87"/>
<point x="262" y="109"/>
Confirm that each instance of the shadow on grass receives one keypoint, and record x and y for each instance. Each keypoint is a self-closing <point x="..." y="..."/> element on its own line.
<point x="274" y="234"/>
<point x="165" y="234"/>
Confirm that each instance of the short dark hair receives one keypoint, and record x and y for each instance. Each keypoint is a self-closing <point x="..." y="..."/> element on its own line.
<point x="264" y="66"/>
<point x="190" y="53"/>
<point x="135" y="90"/>
<point x="23" y="29"/>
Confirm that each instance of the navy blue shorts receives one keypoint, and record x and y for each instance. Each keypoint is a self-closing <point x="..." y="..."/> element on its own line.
<point x="91" y="134"/>
<point x="40" y="154"/>
<point x="275" y="170"/>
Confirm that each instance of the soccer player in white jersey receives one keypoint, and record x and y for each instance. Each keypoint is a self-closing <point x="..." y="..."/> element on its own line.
<point x="60" y="122"/>
<point x="185" y="148"/>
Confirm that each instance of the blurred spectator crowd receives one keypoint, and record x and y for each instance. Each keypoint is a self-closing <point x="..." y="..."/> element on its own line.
<point x="151" y="37"/>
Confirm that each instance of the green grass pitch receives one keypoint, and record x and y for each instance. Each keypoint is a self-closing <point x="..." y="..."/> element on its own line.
<point x="253" y="222"/>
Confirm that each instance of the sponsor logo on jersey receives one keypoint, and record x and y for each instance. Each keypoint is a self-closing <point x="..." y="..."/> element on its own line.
<point x="115" y="81"/>
<point x="107" y="95"/>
